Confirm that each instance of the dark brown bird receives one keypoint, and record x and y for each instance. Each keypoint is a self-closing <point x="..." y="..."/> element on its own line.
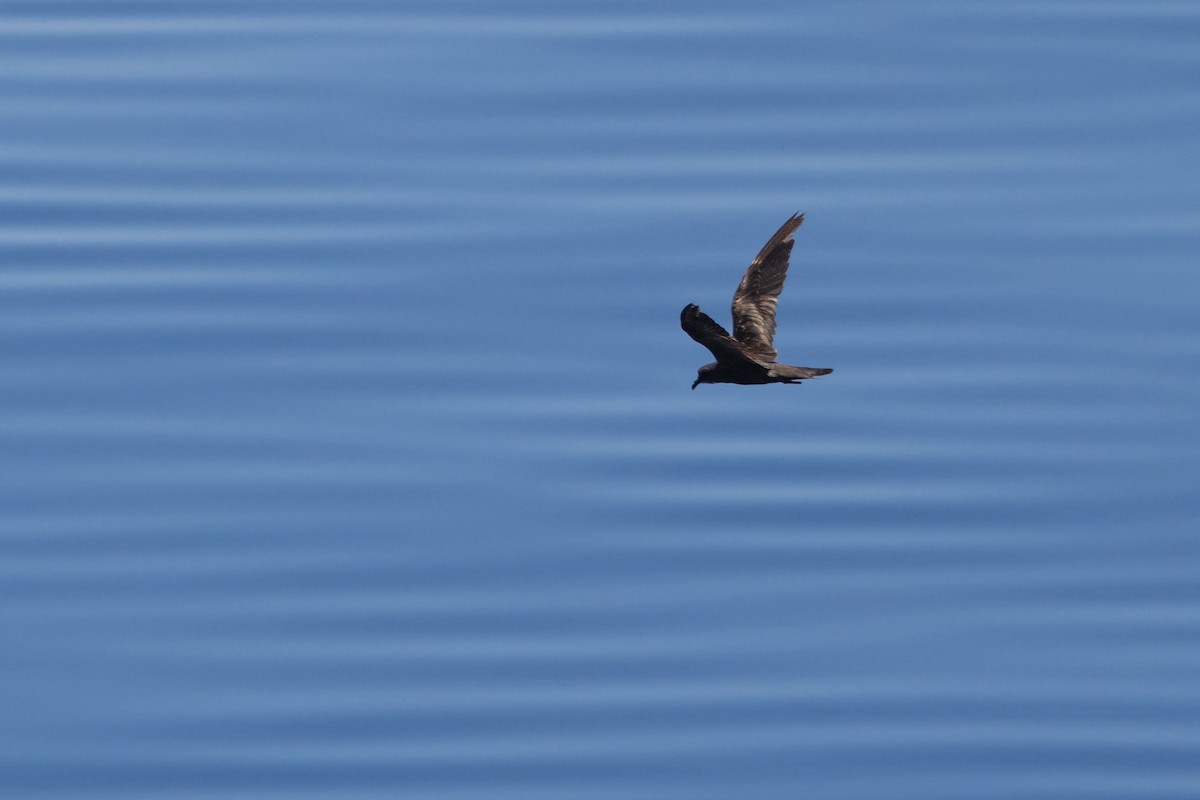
<point x="748" y="357"/>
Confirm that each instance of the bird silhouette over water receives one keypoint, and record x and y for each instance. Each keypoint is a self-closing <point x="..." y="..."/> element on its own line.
<point x="748" y="357"/>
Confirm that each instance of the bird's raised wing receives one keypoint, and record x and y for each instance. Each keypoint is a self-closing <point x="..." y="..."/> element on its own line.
<point x="757" y="295"/>
<point x="706" y="331"/>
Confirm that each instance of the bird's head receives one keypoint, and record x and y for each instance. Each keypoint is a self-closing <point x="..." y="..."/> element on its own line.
<point x="704" y="375"/>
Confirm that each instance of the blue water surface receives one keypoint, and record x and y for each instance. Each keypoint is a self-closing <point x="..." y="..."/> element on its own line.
<point x="346" y="443"/>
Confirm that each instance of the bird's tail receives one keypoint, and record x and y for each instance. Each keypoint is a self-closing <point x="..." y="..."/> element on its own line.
<point x="796" y="373"/>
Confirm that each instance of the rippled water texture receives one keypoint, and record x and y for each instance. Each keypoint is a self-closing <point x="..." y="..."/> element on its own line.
<point x="348" y="450"/>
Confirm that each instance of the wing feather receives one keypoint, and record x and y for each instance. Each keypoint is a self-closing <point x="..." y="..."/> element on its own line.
<point x="757" y="295"/>
<point x="705" y="330"/>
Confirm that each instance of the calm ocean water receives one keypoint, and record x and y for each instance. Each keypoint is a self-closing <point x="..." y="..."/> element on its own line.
<point x="348" y="449"/>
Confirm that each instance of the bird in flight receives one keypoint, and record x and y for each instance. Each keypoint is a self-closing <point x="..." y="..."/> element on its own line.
<point x="748" y="357"/>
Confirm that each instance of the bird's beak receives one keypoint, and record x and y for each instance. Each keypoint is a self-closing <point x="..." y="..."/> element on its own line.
<point x="695" y="383"/>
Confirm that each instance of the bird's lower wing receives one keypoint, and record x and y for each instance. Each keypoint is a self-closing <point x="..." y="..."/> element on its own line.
<point x="706" y="331"/>
<point x="798" y="373"/>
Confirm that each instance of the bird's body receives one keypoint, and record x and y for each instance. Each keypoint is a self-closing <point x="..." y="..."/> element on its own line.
<point x="748" y="356"/>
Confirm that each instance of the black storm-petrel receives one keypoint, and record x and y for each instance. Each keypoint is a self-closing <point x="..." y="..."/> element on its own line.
<point x="748" y="357"/>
